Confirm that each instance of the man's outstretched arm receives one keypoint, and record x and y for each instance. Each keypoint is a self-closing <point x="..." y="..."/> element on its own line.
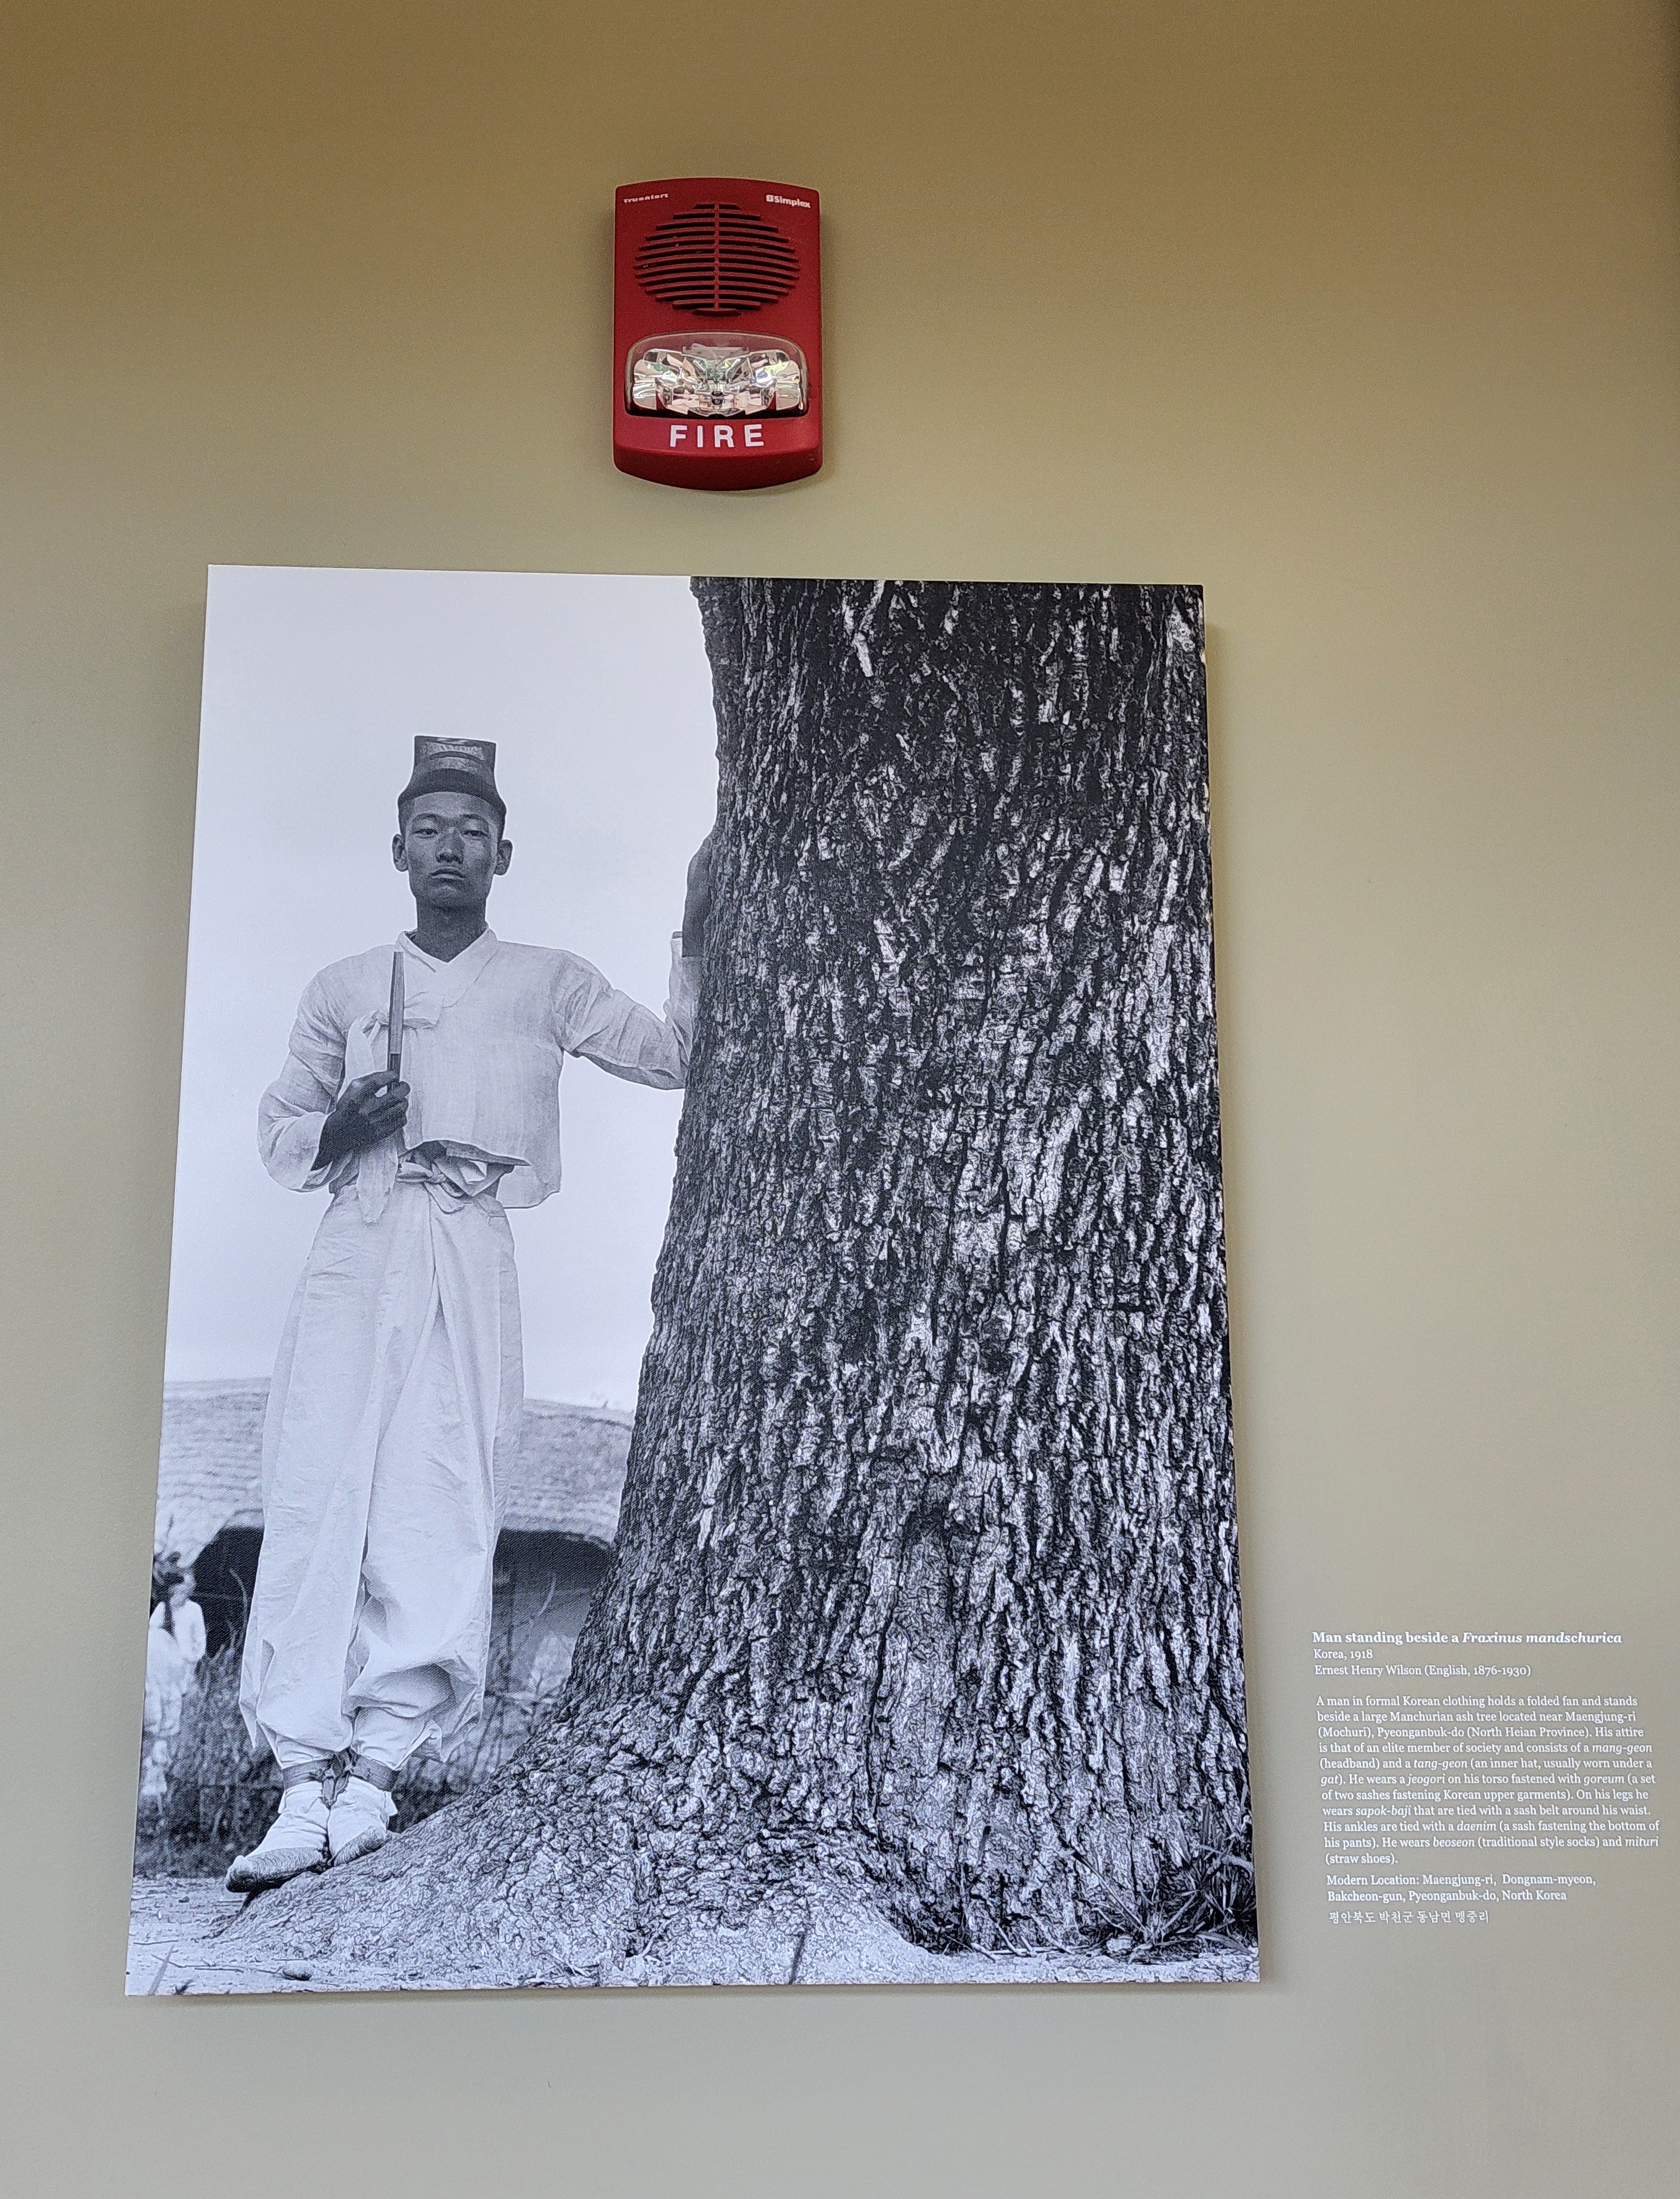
<point x="617" y="1034"/>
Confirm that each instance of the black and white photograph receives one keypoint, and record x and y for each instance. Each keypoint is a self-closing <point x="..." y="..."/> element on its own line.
<point x="696" y="1438"/>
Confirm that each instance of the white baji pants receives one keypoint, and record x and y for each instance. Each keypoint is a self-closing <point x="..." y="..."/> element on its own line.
<point x="391" y="1420"/>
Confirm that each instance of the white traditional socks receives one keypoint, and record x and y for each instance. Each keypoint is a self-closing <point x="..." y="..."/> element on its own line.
<point x="295" y="1842"/>
<point x="359" y="1820"/>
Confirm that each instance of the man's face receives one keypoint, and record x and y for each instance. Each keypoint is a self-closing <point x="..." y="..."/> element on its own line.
<point x="451" y="846"/>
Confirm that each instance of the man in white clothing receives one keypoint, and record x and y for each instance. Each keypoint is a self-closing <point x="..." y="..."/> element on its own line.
<point x="396" y="1394"/>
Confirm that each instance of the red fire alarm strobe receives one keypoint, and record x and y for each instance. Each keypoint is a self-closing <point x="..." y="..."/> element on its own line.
<point x="717" y="332"/>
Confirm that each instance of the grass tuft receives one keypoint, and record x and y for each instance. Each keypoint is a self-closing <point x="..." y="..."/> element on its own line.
<point x="1204" y="1897"/>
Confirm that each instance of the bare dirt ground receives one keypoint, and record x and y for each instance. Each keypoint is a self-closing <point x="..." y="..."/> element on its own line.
<point x="171" y="1949"/>
<point x="176" y="1923"/>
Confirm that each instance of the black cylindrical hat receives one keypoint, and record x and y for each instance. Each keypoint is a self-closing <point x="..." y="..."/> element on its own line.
<point x="444" y="767"/>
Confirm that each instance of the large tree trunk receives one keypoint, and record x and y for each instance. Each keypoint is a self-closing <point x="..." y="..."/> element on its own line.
<point x="923" y="1608"/>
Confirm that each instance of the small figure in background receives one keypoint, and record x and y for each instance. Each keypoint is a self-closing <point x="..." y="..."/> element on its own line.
<point x="174" y="1651"/>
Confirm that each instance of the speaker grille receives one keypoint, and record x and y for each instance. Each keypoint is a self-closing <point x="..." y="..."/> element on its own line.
<point x="717" y="258"/>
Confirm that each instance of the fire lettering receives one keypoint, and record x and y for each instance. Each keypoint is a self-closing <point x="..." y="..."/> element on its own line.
<point x="723" y="435"/>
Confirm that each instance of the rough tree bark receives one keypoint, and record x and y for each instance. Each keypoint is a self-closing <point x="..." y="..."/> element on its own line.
<point x="923" y="1622"/>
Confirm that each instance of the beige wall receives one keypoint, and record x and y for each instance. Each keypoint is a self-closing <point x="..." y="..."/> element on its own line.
<point x="1366" y="316"/>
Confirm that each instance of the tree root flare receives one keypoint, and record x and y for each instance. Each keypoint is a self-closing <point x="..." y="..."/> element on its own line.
<point x="468" y="1899"/>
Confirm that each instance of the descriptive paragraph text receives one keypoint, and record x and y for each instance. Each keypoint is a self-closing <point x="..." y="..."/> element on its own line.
<point x="1462" y="1780"/>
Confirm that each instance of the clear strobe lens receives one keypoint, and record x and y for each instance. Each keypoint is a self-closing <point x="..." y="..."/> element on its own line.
<point x="717" y="377"/>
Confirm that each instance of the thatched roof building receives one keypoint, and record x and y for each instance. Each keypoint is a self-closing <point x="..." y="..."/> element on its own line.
<point x="561" y="1516"/>
<point x="568" y="1479"/>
